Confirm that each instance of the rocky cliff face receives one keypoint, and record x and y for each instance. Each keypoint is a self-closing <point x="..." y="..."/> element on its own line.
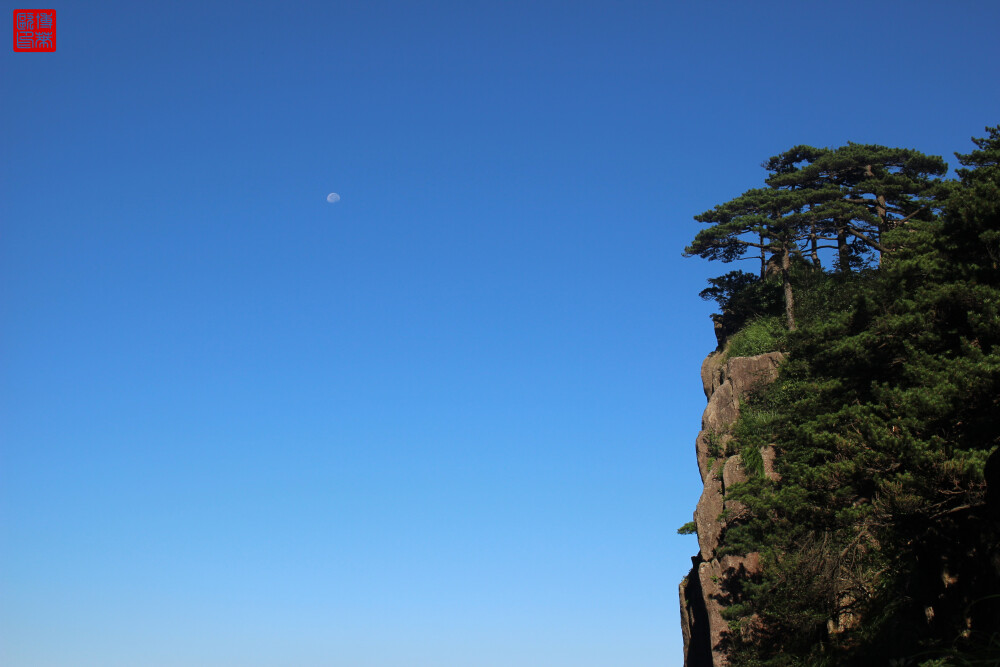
<point x="701" y="593"/>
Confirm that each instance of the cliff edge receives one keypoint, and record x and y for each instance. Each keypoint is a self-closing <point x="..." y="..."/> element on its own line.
<point x="702" y="595"/>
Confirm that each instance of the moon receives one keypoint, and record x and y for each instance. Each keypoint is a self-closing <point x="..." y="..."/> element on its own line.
<point x="333" y="198"/>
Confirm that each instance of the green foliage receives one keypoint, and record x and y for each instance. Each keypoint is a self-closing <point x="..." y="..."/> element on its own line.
<point x="690" y="528"/>
<point x="715" y="446"/>
<point x="883" y="417"/>
<point x="753" y="431"/>
<point x="742" y="297"/>
<point x="763" y="334"/>
<point x="846" y="199"/>
<point x="724" y="289"/>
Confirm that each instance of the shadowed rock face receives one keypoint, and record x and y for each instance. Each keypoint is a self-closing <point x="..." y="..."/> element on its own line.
<point x="703" y="593"/>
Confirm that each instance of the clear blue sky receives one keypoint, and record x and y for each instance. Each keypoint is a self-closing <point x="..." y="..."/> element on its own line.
<point x="449" y="420"/>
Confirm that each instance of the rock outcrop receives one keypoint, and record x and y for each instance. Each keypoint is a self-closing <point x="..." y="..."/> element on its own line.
<point x="702" y="594"/>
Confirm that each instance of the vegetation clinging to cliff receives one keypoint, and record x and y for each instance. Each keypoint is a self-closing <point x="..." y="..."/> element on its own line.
<point x="877" y="542"/>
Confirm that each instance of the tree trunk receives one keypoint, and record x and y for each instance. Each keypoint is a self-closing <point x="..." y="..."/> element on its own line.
<point x="814" y="251"/>
<point x="763" y="258"/>
<point x="786" y="265"/>
<point x="881" y="211"/>
<point x="843" y="252"/>
<point x="880" y="207"/>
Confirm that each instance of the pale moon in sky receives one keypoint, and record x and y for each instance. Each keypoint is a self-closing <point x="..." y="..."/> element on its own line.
<point x="333" y="198"/>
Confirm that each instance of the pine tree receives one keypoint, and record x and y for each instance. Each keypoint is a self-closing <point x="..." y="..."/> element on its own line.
<point x="766" y="219"/>
<point x="881" y="188"/>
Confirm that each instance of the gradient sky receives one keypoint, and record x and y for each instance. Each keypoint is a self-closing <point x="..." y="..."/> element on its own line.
<point x="449" y="420"/>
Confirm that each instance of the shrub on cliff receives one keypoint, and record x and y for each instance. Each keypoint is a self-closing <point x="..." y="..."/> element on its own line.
<point x="760" y="335"/>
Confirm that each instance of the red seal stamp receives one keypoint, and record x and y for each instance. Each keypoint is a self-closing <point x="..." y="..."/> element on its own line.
<point x="35" y="30"/>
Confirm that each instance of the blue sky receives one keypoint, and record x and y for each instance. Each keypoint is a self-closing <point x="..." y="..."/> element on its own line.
<point x="448" y="420"/>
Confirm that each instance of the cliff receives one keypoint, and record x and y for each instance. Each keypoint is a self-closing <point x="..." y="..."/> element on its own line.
<point x="704" y="592"/>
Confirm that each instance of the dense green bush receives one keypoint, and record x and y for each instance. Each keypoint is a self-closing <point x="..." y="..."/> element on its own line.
<point x="742" y="297"/>
<point x="760" y="335"/>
